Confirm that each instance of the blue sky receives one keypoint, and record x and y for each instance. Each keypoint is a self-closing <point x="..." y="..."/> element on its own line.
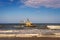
<point x="38" y="11"/>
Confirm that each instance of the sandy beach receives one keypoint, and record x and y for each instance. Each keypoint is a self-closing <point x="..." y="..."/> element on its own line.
<point x="30" y="38"/>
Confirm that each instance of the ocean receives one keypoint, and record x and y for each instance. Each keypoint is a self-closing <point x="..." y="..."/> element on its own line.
<point x="41" y="28"/>
<point x="17" y="26"/>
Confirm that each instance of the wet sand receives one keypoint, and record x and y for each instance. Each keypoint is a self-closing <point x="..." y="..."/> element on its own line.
<point x="31" y="38"/>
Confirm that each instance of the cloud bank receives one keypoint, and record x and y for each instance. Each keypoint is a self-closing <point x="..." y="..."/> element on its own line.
<point x="39" y="3"/>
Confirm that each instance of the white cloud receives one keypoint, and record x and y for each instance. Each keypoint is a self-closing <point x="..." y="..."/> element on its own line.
<point x="39" y="3"/>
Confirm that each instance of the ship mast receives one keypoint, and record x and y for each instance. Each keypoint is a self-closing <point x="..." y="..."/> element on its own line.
<point x="28" y="23"/>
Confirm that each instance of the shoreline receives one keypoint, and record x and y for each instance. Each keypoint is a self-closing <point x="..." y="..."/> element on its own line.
<point x="27" y="35"/>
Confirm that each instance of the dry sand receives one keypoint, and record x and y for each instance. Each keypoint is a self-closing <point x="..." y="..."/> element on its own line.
<point x="30" y="38"/>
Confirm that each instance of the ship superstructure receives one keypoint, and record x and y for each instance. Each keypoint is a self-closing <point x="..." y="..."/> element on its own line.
<point x="28" y="23"/>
